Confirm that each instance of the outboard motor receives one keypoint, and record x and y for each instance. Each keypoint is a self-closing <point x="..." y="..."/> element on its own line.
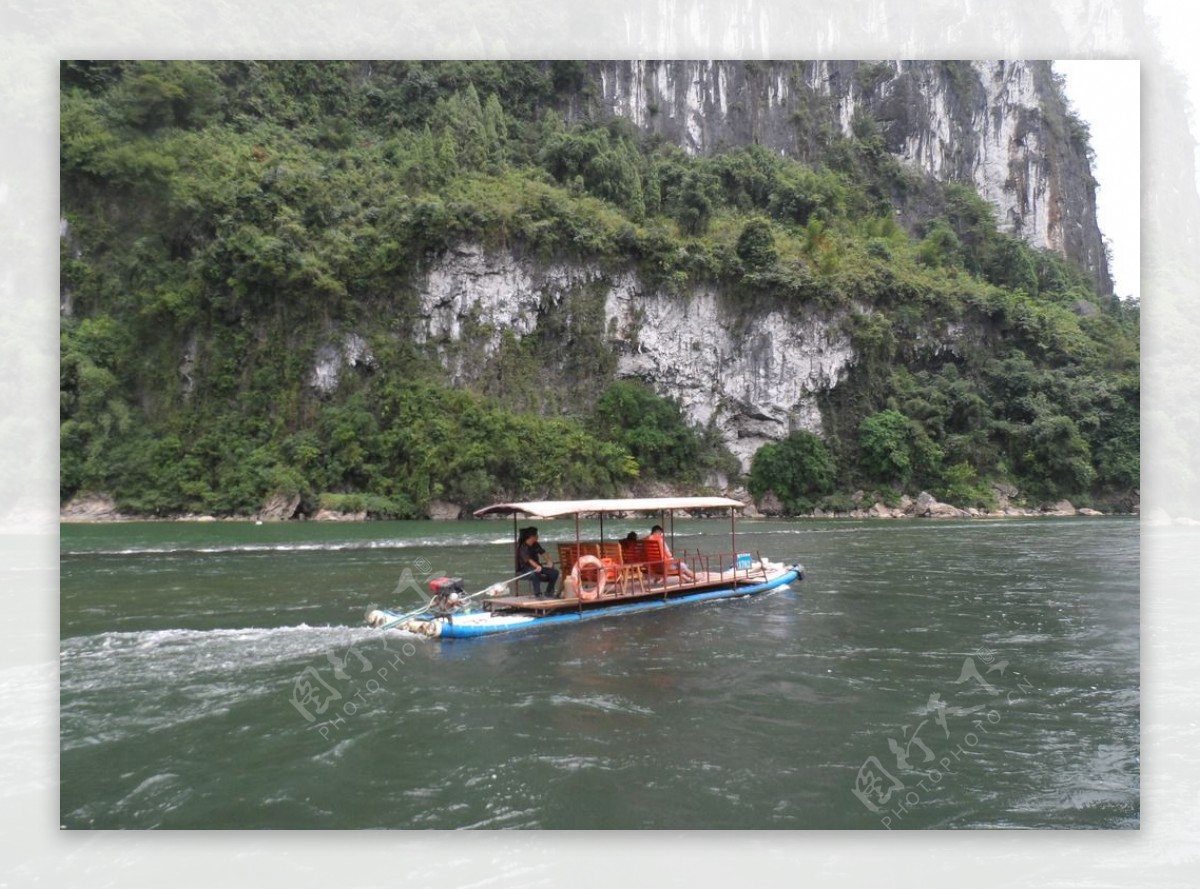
<point x="448" y="593"/>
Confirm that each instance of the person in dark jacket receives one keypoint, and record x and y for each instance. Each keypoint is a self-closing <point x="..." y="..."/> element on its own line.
<point x="531" y="557"/>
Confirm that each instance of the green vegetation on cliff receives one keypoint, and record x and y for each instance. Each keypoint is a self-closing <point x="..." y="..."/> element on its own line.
<point x="223" y="219"/>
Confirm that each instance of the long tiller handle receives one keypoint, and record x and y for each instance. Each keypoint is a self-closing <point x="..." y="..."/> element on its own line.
<point x="421" y="609"/>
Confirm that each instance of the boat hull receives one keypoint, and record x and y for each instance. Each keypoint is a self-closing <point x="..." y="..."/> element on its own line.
<point x="479" y="624"/>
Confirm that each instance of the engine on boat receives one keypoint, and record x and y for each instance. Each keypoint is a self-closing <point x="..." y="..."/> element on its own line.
<point x="448" y="593"/>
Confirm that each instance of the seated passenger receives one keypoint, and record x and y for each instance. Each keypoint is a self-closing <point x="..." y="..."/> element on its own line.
<point x="685" y="573"/>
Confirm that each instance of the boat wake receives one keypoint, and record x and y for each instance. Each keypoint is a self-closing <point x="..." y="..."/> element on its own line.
<point x="166" y="678"/>
<point x="318" y="547"/>
<point x="185" y="656"/>
<point x="299" y="638"/>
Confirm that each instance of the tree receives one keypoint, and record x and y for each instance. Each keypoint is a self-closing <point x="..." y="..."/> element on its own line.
<point x="896" y="448"/>
<point x="798" y="469"/>
<point x="756" y="245"/>
<point x="654" y="429"/>
<point x="496" y="130"/>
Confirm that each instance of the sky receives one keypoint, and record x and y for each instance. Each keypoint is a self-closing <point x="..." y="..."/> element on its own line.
<point x="1105" y="94"/>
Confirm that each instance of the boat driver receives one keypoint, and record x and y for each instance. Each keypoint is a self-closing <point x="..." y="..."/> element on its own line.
<point x="529" y="553"/>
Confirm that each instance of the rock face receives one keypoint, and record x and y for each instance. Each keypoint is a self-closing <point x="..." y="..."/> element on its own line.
<point x="444" y="510"/>
<point x="469" y="293"/>
<point x="90" y="507"/>
<point x="1004" y="494"/>
<point x="338" y="516"/>
<point x="756" y="378"/>
<point x="332" y="358"/>
<point x="999" y="126"/>
<point x="279" y="506"/>
<point x="928" y="505"/>
<point x="770" y="505"/>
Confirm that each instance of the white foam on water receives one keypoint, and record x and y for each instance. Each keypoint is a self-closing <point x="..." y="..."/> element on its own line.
<point x="607" y="703"/>
<point x="465" y="540"/>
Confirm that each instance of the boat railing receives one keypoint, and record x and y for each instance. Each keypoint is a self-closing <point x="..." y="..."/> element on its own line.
<point x="638" y="567"/>
<point x="737" y="566"/>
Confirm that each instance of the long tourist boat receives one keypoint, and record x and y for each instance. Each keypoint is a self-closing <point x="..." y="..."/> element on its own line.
<point x="601" y="577"/>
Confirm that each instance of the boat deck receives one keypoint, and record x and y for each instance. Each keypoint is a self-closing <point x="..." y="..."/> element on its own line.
<point x="704" y="581"/>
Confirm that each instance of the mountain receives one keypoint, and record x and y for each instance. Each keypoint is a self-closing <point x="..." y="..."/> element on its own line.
<point x="377" y="286"/>
<point x="1002" y="127"/>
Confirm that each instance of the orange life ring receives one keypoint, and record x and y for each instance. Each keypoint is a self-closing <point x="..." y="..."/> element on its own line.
<point x="593" y="562"/>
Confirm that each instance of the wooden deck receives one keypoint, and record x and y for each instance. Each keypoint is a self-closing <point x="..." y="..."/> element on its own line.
<point x="531" y="603"/>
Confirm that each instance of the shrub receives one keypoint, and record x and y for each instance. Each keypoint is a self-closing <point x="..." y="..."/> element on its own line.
<point x="798" y="469"/>
<point x="756" y="245"/>
<point x="961" y="486"/>
<point x="652" y="428"/>
<point x="897" y="449"/>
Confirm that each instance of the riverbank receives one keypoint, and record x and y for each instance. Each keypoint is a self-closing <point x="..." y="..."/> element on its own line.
<point x="101" y="508"/>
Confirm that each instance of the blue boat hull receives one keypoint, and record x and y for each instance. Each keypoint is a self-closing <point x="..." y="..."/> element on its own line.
<point x="479" y="624"/>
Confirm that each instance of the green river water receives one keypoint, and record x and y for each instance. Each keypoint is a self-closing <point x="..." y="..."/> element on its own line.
<point x="959" y="674"/>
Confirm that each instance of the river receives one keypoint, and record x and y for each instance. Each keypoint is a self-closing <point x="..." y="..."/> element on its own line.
<point x="925" y="674"/>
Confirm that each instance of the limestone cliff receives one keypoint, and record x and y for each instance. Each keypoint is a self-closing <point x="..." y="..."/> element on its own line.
<point x="413" y="283"/>
<point x="1000" y="126"/>
<point x="756" y="378"/>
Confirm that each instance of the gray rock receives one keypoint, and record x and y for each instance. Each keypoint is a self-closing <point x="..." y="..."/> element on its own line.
<point x="331" y="357"/>
<point x="279" y="506"/>
<point x="1088" y="511"/>
<point x="90" y="507"/>
<point x="1004" y="493"/>
<point x="338" y="516"/>
<point x="770" y="505"/>
<point x="443" y="510"/>
<point x="940" y="510"/>
<point x="755" y="377"/>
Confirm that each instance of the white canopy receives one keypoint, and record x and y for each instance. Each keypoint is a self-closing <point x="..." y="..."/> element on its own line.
<point x="550" y="509"/>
